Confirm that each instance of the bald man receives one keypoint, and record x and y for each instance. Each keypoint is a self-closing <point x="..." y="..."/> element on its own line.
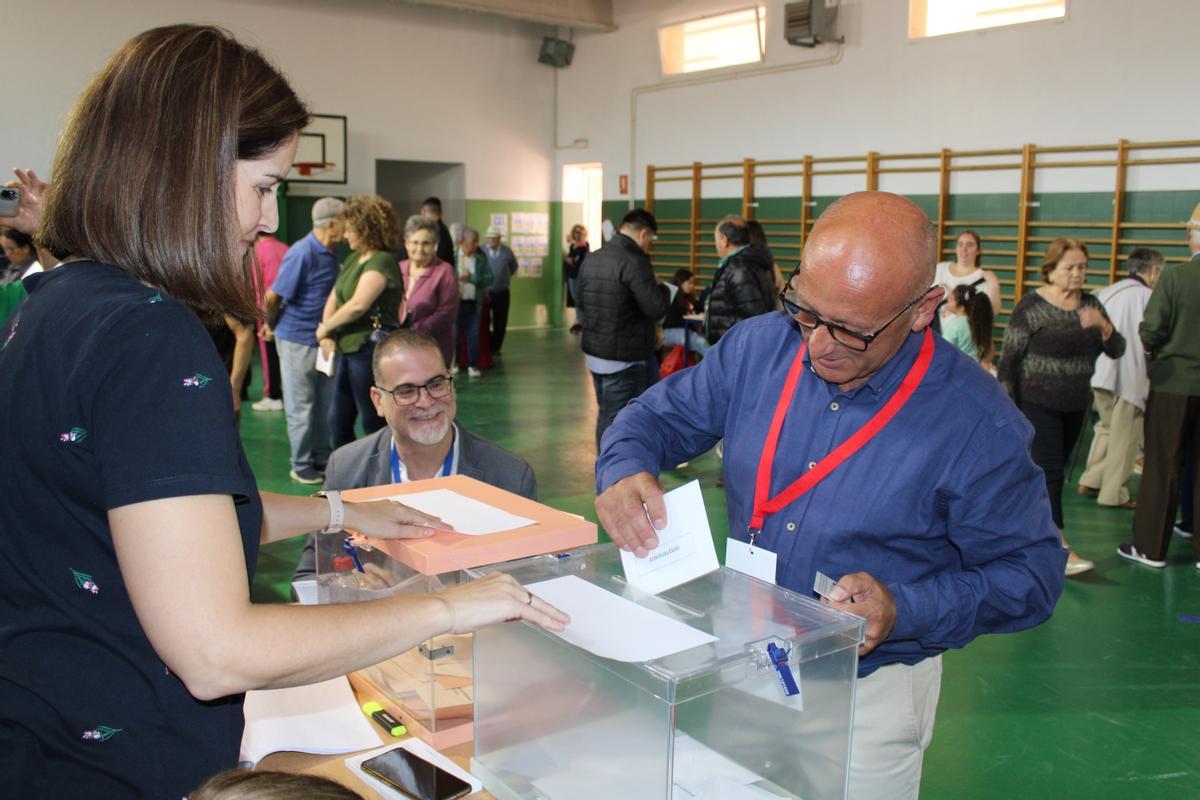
<point x="935" y="524"/>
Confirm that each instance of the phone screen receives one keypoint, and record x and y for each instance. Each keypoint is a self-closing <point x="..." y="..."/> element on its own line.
<point x="415" y="776"/>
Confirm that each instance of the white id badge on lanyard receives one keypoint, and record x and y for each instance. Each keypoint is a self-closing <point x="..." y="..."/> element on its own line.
<point x="753" y="561"/>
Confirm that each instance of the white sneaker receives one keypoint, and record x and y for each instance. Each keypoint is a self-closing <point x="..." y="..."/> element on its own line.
<point x="472" y="372"/>
<point x="454" y="369"/>
<point x="268" y="404"/>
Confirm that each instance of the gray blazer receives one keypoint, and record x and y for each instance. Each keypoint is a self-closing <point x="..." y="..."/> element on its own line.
<point x="368" y="462"/>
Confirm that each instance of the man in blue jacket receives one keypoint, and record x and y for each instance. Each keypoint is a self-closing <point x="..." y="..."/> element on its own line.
<point x="860" y="446"/>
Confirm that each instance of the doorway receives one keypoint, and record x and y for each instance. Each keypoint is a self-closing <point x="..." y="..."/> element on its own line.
<point x="406" y="183"/>
<point x="582" y="200"/>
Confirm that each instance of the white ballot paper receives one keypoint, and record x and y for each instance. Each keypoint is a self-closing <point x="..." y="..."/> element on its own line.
<point x="319" y="718"/>
<point x="610" y="626"/>
<point x="325" y="365"/>
<point x="685" y="547"/>
<point x="466" y="514"/>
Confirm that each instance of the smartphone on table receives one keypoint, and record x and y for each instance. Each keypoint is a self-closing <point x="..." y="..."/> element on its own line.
<point x="10" y="201"/>
<point x="414" y="776"/>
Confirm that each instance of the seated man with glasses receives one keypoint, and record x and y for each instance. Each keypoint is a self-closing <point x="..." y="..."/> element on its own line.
<point x="860" y="446"/>
<point x="414" y="393"/>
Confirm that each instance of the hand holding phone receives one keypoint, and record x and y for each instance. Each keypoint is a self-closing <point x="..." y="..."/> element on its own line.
<point x="412" y="775"/>
<point x="10" y="201"/>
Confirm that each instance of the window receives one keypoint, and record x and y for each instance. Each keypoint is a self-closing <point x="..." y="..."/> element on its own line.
<point x="738" y="37"/>
<point x="939" y="17"/>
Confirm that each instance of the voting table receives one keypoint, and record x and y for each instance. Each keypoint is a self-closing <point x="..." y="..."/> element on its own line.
<point x="757" y="704"/>
<point x="429" y="688"/>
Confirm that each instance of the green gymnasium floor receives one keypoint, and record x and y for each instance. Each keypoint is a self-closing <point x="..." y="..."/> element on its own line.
<point x="1103" y="701"/>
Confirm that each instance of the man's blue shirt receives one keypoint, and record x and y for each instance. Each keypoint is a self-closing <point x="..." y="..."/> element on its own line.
<point x="305" y="278"/>
<point x="944" y="506"/>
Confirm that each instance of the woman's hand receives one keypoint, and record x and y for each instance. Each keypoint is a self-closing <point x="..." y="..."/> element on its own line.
<point x="327" y="346"/>
<point x="33" y="193"/>
<point x="1091" y="317"/>
<point x="497" y="598"/>
<point x="323" y="332"/>
<point x="387" y="519"/>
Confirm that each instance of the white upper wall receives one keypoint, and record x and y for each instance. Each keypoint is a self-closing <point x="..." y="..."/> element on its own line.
<point x="1113" y="69"/>
<point x="417" y="84"/>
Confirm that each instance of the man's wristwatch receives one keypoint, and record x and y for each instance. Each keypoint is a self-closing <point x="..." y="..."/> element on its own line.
<point x="337" y="511"/>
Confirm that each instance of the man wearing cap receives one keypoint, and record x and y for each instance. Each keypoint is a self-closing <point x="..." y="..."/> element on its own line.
<point x="862" y="447"/>
<point x="504" y="266"/>
<point x="293" y="308"/>
<point x="1170" y="333"/>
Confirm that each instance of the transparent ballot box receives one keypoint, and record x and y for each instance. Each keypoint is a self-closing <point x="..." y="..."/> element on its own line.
<point x="429" y="688"/>
<point x="554" y="721"/>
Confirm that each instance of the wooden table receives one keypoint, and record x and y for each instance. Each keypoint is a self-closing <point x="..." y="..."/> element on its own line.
<point x="334" y="766"/>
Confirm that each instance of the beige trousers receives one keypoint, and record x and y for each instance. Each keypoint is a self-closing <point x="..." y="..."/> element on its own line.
<point x="894" y="711"/>
<point x="1116" y="440"/>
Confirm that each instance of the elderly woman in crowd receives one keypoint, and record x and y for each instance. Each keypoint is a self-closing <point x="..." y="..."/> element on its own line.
<point x="430" y="285"/>
<point x="365" y="299"/>
<point x="1051" y="344"/>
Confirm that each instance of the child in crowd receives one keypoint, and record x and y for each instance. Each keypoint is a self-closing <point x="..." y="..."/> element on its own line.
<point x="674" y="325"/>
<point x="969" y="323"/>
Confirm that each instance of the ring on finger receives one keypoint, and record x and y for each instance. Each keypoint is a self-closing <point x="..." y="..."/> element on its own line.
<point x="529" y="599"/>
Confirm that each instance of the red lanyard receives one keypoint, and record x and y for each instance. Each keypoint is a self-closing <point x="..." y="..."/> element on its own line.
<point x="764" y="506"/>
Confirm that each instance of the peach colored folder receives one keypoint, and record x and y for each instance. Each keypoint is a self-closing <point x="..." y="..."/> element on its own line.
<point x="446" y="552"/>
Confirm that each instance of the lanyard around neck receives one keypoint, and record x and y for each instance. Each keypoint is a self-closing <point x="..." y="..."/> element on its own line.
<point x="449" y="466"/>
<point x="765" y="505"/>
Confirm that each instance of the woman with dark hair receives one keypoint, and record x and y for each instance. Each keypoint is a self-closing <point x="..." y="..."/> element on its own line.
<point x="130" y="521"/>
<point x="1050" y="349"/>
<point x="365" y="298"/>
<point x="430" y="287"/>
<point x="577" y="251"/>
<point x="965" y="271"/>
<point x="684" y="303"/>
<point x="758" y="238"/>
<point x="21" y="254"/>
<point x="969" y="326"/>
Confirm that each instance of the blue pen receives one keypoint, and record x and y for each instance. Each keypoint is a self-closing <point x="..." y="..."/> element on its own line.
<point x="350" y="550"/>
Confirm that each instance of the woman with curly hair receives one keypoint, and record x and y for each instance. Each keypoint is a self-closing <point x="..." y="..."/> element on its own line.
<point x="366" y="298"/>
<point x="430" y="286"/>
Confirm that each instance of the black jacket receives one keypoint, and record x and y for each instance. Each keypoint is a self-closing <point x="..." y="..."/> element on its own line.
<point x="743" y="288"/>
<point x="620" y="302"/>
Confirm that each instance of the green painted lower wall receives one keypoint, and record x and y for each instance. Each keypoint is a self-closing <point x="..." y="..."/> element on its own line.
<point x="992" y="216"/>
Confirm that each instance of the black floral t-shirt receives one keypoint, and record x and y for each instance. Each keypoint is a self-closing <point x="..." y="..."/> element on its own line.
<point x="111" y="393"/>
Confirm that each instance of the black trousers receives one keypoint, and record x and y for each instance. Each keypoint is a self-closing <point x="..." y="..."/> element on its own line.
<point x="275" y="379"/>
<point x="1172" y="428"/>
<point x="499" y="302"/>
<point x="1054" y="437"/>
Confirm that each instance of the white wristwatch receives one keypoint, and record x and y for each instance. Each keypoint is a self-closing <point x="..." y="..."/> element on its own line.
<point x="337" y="512"/>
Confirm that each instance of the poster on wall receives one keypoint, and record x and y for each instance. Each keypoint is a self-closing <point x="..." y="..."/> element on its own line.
<point x="529" y="267"/>
<point x="321" y="154"/>
<point x="500" y="223"/>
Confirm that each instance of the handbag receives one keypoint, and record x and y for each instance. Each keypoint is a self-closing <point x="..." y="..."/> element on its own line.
<point x="379" y="331"/>
<point x="674" y="361"/>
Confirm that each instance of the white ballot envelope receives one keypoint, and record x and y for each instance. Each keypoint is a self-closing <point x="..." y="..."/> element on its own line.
<point x="685" y="547"/>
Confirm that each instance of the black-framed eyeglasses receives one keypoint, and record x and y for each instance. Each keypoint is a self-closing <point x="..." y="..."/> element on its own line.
<point x="407" y="393"/>
<point x="810" y="321"/>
